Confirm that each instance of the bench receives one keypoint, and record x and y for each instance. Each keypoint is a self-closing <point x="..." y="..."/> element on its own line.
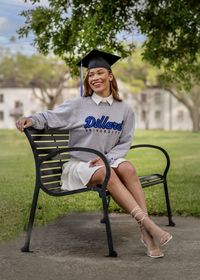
<point x="51" y="151"/>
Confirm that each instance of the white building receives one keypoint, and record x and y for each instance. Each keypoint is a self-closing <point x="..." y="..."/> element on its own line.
<point x="158" y="109"/>
<point x="17" y="102"/>
<point x="154" y="109"/>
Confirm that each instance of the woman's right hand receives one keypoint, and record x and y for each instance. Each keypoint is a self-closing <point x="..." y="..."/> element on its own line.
<point x="96" y="162"/>
<point x="23" y="123"/>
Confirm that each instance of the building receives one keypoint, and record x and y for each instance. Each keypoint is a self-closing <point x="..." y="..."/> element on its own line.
<point x="158" y="109"/>
<point x="154" y="109"/>
<point x="17" y="102"/>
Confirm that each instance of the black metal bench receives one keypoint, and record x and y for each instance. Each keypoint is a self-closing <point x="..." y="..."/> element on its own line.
<point x="51" y="151"/>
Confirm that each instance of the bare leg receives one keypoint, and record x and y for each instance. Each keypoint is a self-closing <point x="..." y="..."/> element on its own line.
<point x="127" y="174"/>
<point x="125" y="199"/>
<point x="117" y="190"/>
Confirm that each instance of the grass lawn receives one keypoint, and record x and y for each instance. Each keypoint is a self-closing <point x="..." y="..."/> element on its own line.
<point x="17" y="180"/>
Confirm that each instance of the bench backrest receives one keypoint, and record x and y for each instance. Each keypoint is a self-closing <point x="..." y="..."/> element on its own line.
<point x="43" y="143"/>
<point x="51" y="151"/>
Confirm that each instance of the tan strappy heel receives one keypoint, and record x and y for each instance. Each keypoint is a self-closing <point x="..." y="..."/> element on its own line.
<point x="140" y="216"/>
<point x="166" y="238"/>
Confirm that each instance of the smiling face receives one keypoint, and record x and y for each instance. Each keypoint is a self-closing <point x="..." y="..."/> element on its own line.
<point x="99" y="81"/>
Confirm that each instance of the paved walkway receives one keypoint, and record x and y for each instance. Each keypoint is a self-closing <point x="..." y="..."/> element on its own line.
<point x="74" y="248"/>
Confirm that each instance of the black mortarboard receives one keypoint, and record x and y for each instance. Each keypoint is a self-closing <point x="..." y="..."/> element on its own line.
<point x="95" y="59"/>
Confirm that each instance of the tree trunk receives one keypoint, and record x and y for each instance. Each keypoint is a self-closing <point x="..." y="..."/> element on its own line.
<point x="195" y="116"/>
<point x="192" y="104"/>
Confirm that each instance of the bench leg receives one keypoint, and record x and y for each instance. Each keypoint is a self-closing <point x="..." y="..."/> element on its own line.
<point x="102" y="221"/>
<point x="25" y="248"/>
<point x="171" y="223"/>
<point x="112" y="253"/>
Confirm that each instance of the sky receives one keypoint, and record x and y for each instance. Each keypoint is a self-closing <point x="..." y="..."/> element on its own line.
<point x="11" y="21"/>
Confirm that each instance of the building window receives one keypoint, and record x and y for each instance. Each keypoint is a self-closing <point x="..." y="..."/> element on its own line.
<point x="157" y="98"/>
<point x="180" y="116"/>
<point x="143" y="97"/>
<point x="17" y="111"/>
<point x="157" y="115"/>
<point x="143" y="115"/>
<point x="1" y="98"/>
<point x="18" y="104"/>
<point x="1" y="115"/>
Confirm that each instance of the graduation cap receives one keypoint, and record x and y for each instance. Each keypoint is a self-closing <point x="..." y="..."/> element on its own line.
<point x="95" y="59"/>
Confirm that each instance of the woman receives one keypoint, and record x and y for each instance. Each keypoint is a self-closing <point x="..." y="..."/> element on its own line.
<point x="102" y="121"/>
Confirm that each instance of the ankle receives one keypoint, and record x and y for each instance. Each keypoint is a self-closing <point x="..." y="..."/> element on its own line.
<point x="139" y="215"/>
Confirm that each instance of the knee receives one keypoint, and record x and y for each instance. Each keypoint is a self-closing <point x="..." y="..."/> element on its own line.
<point x="100" y="175"/>
<point x="112" y="179"/>
<point x="126" y="169"/>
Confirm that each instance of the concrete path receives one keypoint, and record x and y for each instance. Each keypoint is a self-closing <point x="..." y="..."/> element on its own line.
<point x="75" y="246"/>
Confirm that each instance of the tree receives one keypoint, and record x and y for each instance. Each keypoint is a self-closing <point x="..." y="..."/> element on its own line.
<point x="190" y="98"/>
<point x="139" y="74"/>
<point x="71" y="28"/>
<point x="143" y="77"/>
<point x="48" y="74"/>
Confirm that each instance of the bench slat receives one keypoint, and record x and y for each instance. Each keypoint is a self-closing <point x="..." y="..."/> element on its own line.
<point x="48" y="150"/>
<point x="57" y="157"/>
<point x="53" y="144"/>
<point x="50" y="175"/>
<point x="52" y="184"/>
<point x="51" y="141"/>
<point x="49" y="137"/>
<point x="34" y="131"/>
<point x="50" y="179"/>
<point x="50" y="171"/>
<point x="53" y="163"/>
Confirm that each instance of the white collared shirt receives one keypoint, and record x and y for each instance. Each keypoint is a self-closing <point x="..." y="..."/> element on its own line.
<point x="98" y="99"/>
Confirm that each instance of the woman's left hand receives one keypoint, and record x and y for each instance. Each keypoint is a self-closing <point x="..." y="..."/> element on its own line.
<point x="96" y="162"/>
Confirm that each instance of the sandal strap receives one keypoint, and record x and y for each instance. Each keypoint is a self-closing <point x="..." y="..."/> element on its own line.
<point x="137" y="211"/>
<point x="134" y="209"/>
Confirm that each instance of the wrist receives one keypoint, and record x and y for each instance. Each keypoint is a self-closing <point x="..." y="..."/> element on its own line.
<point x="32" y="121"/>
<point x="110" y="159"/>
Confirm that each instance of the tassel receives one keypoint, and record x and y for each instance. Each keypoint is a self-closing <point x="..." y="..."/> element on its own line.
<point x="81" y="79"/>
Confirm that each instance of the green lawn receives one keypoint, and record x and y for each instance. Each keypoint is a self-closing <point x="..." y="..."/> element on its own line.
<point x="17" y="180"/>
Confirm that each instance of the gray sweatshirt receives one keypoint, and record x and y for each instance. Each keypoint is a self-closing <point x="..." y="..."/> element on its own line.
<point x="104" y="127"/>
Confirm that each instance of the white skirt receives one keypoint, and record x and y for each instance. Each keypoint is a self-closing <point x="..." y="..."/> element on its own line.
<point x="76" y="174"/>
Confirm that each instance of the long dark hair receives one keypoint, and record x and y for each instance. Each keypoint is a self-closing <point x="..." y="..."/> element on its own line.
<point x="113" y="87"/>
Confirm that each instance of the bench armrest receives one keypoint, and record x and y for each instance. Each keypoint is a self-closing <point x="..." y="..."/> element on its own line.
<point x="83" y="149"/>
<point x="158" y="148"/>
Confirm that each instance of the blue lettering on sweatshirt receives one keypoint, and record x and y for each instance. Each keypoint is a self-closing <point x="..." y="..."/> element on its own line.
<point x="102" y="123"/>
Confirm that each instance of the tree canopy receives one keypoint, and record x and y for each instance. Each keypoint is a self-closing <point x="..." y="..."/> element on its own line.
<point x="143" y="74"/>
<point x="70" y="28"/>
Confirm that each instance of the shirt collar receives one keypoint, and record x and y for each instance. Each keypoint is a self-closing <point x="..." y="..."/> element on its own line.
<point x="98" y="99"/>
